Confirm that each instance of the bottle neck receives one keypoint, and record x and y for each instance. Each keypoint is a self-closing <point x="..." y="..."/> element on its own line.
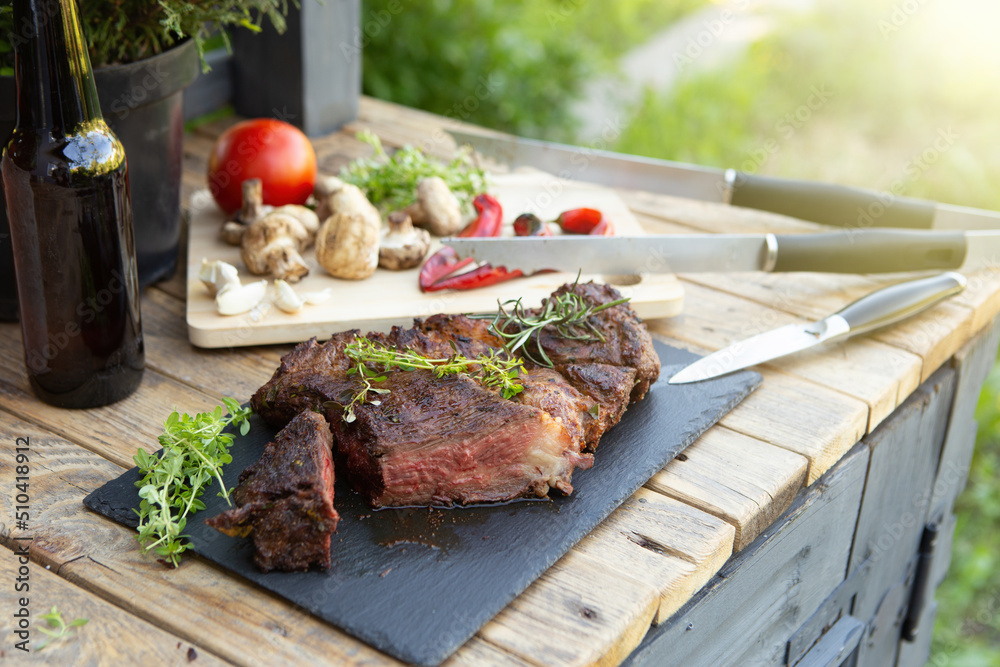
<point x="55" y="84"/>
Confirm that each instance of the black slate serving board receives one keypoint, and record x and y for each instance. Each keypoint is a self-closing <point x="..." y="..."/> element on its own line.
<point x="417" y="583"/>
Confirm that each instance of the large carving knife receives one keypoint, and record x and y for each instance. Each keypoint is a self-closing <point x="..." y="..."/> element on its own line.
<point x="825" y="203"/>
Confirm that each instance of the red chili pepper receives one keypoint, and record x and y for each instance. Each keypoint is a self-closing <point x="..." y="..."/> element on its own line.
<point x="580" y="220"/>
<point x="529" y="224"/>
<point x="438" y="272"/>
<point x="490" y="219"/>
<point x="481" y="276"/>
<point x="442" y="263"/>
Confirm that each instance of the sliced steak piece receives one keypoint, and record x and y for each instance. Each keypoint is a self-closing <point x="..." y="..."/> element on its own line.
<point x="547" y="390"/>
<point x="308" y="376"/>
<point x="285" y="500"/>
<point x="626" y="341"/>
<point x="434" y="441"/>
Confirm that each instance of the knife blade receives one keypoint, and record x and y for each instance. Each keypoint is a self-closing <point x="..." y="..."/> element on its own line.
<point x="878" y="309"/>
<point x="841" y="251"/>
<point x="826" y="203"/>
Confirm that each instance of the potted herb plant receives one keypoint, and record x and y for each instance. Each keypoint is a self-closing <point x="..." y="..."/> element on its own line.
<point x="144" y="53"/>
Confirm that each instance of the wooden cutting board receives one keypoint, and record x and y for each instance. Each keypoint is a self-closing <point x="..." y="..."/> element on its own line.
<point x="393" y="297"/>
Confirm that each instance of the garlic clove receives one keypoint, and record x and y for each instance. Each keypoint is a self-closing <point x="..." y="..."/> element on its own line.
<point x="287" y="299"/>
<point x="317" y="298"/>
<point x="239" y="299"/>
<point x="218" y="276"/>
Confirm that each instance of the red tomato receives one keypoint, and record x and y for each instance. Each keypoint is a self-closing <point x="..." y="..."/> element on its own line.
<point x="277" y="153"/>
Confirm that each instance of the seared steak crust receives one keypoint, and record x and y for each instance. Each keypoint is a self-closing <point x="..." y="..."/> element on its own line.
<point x="626" y="341"/>
<point x="285" y="500"/>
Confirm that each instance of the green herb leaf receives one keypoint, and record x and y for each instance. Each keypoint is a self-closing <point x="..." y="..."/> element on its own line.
<point x="390" y="182"/>
<point x="194" y="451"/>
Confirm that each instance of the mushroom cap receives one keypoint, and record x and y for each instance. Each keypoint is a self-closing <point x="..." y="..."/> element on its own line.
<point x="442" y="214"/>
<point x="402" y="246"/>
<point x="347" y="245"/>
<point x="272" y="245"/>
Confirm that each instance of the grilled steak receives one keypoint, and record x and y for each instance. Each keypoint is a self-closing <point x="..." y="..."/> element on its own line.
<point x="626" y="341"/>
<point x="443" y="440"/>
<point x="433" y="440"/>
<point x="285" y="500"/>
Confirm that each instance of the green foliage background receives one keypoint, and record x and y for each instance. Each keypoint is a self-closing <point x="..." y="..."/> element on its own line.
<point x="506" y="64"/>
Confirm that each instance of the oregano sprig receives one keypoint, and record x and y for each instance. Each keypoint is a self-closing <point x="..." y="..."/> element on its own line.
<point x="372" y="360"/>
<point x="56" y="628"/>
<point x="194" y="451"/>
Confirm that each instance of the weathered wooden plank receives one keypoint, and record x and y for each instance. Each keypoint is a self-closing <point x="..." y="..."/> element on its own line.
<point x="236" y="372"/>
<point x="935" y="335"/>
<point x="103" y="557"/>
<point x="564" y="619"/>
<point x="746" y="614"/>
<point x="819" y="423"/>
<point x="739" y="479"/>
<point x="973" y="362"/>
<point x="113" y="431"/>
<point x="110" y="637"/>
<point x="478" y="652"/>
<point x="666" y="543"/>
<point x="872" y="372"/>
<point x="903" y="460"/>
<point x="982" y="293"/>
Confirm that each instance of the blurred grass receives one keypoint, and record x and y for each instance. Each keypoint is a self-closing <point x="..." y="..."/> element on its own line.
<point x="842" y="93"/>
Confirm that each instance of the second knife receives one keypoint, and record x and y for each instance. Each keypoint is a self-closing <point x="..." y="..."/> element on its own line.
<point x="878" y="309"/>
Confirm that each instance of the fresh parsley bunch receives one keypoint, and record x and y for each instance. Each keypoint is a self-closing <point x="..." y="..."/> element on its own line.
<point x="390" y="182"/>
<point x="194" y="451"/>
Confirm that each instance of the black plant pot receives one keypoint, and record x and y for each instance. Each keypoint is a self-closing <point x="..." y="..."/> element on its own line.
<point x="142" y="102"/>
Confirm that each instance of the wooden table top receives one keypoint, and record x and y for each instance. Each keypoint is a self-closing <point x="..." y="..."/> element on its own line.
<point x="705" y="505"/>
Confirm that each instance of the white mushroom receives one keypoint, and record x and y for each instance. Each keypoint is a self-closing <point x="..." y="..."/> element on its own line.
<point x="218" y="276"/>
<point x="402" y="246"/>
<point x="272" y="245"/>
<point x="322" y="191"/>
<point x="240" y="299"/>
<point x="436" y="207"/>
<point x="286" y="298"/>
<point x="347" y="245"/>
<point x="305" y="215"/>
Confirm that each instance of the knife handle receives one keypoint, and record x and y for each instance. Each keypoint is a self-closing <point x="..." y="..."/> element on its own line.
<point x="897" y="302"/>
<point x="829" y="204"/>
<point x="870" y="251"/>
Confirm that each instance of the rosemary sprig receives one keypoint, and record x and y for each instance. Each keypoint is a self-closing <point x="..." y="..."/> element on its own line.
<point x="372" y="360"/>
<point x="568" y="314"/>
<point x="194" y="451"/>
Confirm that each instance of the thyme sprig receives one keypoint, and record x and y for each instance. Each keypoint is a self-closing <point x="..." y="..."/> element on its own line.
<point x="56" y="627"/>
<point x="194" y="451"/>
<point x="568" y="314"/>
<point x="372" y="360"/>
